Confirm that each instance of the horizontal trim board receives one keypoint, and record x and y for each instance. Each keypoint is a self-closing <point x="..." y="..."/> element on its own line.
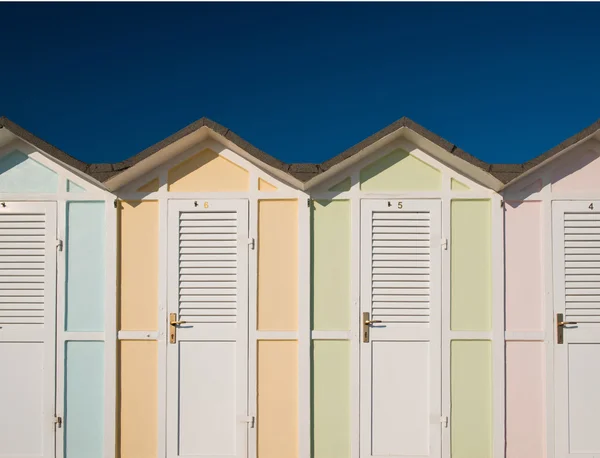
<point x="331" y="335"/>
<point x="529" y="336"/>
<point x="137" y="335"/>
<point x="470" y="335"/>
<point x="276" y="335"/>
<point x="91" y="336"/>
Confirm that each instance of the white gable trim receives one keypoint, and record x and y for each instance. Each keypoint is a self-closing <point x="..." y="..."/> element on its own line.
<point x="463" y="167"/>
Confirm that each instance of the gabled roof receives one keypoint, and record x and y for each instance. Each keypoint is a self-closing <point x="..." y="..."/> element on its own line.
<point x="305" y="174"/>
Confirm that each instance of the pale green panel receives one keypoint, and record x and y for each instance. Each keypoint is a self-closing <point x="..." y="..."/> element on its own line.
<point x="85" y="266"/>
<point x="458" y="186"/>
<point x="471" y="398"/>
<point x="72" y="187"/>
<point x="331" y="399"/>
<point x="20" y="174"/>
<point x="400" y="171"/>
<point x="471" y="266"/>
<point x="84" y="400"/>
<point x="330" y="255"/>
<point x="342" y="186"/>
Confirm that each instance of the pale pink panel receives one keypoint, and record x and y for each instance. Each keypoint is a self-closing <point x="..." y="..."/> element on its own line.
<point x="577" y="171"/>
<point x="525" y="400"/>
<point x="523" y="235"/>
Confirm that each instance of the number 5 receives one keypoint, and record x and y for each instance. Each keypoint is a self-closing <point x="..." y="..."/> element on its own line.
<point x="399" y="205"/>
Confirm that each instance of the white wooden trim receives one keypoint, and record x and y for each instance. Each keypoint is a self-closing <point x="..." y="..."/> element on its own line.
<point x="304" y="341"/>
<point x="331" y="335"/>
<point x="138" y="335"/>
<point x="263" y="195"/>
<point x="471" y="335"/>
<point x="72" y="336"/>
<point x="498" y="344"/>
<point x="110" y="328"/>
<point x="51" y="197"/>
<point x="61" y="340"/>
<point x="163" y="273"/>
<point x="276" y="335"/>
<point x="548" y="279"/>
<point x="355" y="331"/>
<point x="253" y="325"/>
<point x="524" y="336"/>
<point x="446" y="338"/>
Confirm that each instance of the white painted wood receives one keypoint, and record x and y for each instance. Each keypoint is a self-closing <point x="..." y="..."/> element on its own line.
<point x="498" y="343"/>
<point x="61" y="273"/>
<point x="401" y="365"/>
<point x="355" y="275"/>
<point x="577" y="359"/>
<point x="304" y="334"/>
<point x="110" y="329"/>
<point x="207" y="369"/>
<point x="27" y="342"/>
<point x="252" y="327"/>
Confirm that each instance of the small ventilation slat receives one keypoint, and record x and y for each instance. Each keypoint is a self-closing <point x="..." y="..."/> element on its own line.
<point x="22" y="269"/>
<point x="208" y="267"/>
<point x="582" y="267"/>
<point x="401" y="267"/>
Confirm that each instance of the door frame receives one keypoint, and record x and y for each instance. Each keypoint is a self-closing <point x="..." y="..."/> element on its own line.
<point x="436" y="293"/>
<point x="171" y="210"/>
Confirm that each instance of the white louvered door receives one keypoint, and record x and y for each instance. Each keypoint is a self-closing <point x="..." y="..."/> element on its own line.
<point x="27" y="329"/>
<point x="400" y="387"/>
<point x="576" y="257"/>
<point x="207" y="367"/>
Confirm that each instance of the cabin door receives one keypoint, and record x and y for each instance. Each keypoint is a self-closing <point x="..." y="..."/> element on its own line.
<point x="207" y="345"/>
<point x="400" y="387"/>
<point x="576" y="240"/>
<point x="27" y="329"/>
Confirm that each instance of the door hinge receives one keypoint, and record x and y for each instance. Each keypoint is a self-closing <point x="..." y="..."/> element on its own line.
<point x="251" y="243"/>
<point x="444" y="421"/>
<point x="308" y="203"/>
<point x="250" y="420"/>
<point x="444" y="244"/>
<point x="59" y="245"/>
<point x="58" y="421"/>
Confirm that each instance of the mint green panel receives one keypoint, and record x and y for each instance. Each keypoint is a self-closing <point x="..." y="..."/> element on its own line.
<point x="471" y="398"/>
<point x="400" y="171"/>
<point x="342" y="186"/>
<point x="471" y="265"/>
<point x="19" y="174"/>
<point x="72" y="187"/>
<point x="85" y="266"/>
<point x="84" y="400"/>
<point x="331" y="399"/>
<point x="330" y="255"/>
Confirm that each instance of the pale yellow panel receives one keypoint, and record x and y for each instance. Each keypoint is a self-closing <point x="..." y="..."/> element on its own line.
<point x="138" y="391"/>
<point x="138" y="265"/>
<point x="206" y="172"/>
<point x="151" y="186"/>
<point x="277" y="419"/>
<point x="265" y="186"/>
<point x="277" y="265"/>
<point x="400" y="171"/>
<point x="456" y="185"/>
<point x="342" y="186"/>
<point x="471" y="265"/>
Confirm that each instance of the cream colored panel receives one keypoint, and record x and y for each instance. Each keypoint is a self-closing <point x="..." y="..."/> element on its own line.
<point x="138" y="399"/>
<point x="277" y="419"/>
<point x="265" y="186"/>
<point x="277" y="265"/>
<point x="138" y="263"/>
<point x="207" y="171"/>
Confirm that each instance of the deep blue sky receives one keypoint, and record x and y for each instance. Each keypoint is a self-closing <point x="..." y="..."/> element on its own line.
<point x="301" y="81"/>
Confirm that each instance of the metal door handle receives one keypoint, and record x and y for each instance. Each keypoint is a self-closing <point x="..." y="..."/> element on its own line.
<point x="563" y="323"/>
<point x="369" y="322"/>
<point x="560" y="327"/>
<point x="175" y="323"/>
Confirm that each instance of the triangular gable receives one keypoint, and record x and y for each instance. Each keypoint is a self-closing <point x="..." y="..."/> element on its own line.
<point x="11" y="133"/>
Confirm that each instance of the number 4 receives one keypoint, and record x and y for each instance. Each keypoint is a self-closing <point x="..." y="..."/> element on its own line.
<point x="591" y="207"/>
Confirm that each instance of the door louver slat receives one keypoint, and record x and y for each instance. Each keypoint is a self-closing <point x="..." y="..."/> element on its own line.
<point x="400" y="267"/>
<point x="582" y="267"/>
<point x="22" y="264"/>
<point x="208" y="264"/>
